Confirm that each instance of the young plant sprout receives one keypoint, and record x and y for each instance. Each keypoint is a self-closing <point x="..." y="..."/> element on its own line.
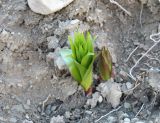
<point x="80" y="58"/>
<point x="105" y="64"/>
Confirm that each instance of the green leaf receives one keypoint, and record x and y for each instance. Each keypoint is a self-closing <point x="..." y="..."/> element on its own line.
<point x="87" y="78"/>
<point x="81" y="69"/>
<point x="72" y="47"/>
<point x="105" y="64"/>
<point x="87" y="59"/>
<point x="89" y="42"/>
<point x="66" y="55"/>
<point x="80" y="58"/>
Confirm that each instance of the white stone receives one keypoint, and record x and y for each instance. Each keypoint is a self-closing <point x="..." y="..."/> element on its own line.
<point x="96" y="97"/>
<point x="46" y="7"/>
<point x="111" y="91"/>
<point x="127" y="120"/>
<point x="129" y="85"/>
<point x="58" y="119"/>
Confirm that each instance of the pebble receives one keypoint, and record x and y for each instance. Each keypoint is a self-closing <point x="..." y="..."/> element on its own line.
<point x="58" y="119"/>
<point x="48" y="110"/>
<point x="140" y="122"/>
<point x="88" y="112"/>
<point x="123" y="74"/>
<point x="111" y="119"/>
<point x="134" y="120"/>
<point x="53" y="108"/>
<point x="127" y="120"/>
<point x="27" y="121"/>
<point x="127" y="105"/>
<point x="96" y="97"/>
<point x="52" y="42"/>
<point x="154" y="77"/>
<point x="28" y="102"/>
<point x="129" y="85"/>
<point x="46" y="7"/>
<point x="111" y="91"/>
<point x="18" y="108"/>
<point x="13" y="120"/>
<point x="67" y="114"/>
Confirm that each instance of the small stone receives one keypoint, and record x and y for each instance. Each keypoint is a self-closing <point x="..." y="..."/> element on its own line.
<point x="96" y="97"/>
<point x="154" y="77"/>
<point x="28" y="102"/>
<point x="112" y="119"/>
<point x="111" y="91"/>
<point x="46" y="7"/>
<point x="140" y="122"/>
<point x="144" y="1"/>
<point x="67" y="114"/>
<point x="129" y="85"/>
<point x="122" y="115"/>
<point x="27" y="121"/>
<point x="52" y="42"/>
<point x="48" y="110"/>
<point x="58" y="119"/>
<point x="53" y="108"/>
<point x="18" y="108"/>
<point x="88" y="112"/>
<point x="56" y="60"/>
<point x="124" y="87"/>
<point x="127" y="120"/>
<point x="27" y="116"/>
<point x="127" y="105"/>
<point x="123" y="74"/>
<point x="100" y="99"/>
<point x="13" y="120"/>
<point x="134" y="120"/>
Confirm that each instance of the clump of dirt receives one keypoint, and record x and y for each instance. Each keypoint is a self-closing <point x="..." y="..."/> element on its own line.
<point x="36" y="87"/>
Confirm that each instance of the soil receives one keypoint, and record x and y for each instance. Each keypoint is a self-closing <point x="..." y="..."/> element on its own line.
<point x="34" y="90"/>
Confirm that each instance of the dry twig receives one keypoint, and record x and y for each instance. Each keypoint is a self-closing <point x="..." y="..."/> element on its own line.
<point x="132" y="53"/>
<point x="144" y="55"/>
<point x="116" y="3"/>
<point x="139" y="110"/>
<point x="107" y="114"/>
<point x="45" y="101"/>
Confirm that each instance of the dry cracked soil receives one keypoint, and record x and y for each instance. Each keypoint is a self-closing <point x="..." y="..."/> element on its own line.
<point x="36" y="87"/>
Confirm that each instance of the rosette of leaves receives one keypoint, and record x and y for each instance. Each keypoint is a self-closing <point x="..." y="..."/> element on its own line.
<point x="80" y="58"/>
<point x="105" y="64"/>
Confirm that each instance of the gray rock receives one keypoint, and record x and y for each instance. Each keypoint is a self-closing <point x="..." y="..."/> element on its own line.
<point x="134" y="120"/>
<point x="129" y="85"/>
<point x="66" y="88"/>
<point x="96" y="97"/>
<point x="53" y="108"/>
<point x="67" y="114"/>
<point x="18" y="108"/>
<point x="122" y="115"/>
<point x="140" y="122"/>
<point x="153" y="79"/>
<point x="27" y="121"/>
<point x="111" y="119"/>
<point x="56" y="59"/>
<point x="13" y="120"/>
<point x="111" y="91"/>
<point x="52" y="42"/>
<point x="127" y="105"/>
<point x="48" y="110"/>
<point x="58" y="119"/>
